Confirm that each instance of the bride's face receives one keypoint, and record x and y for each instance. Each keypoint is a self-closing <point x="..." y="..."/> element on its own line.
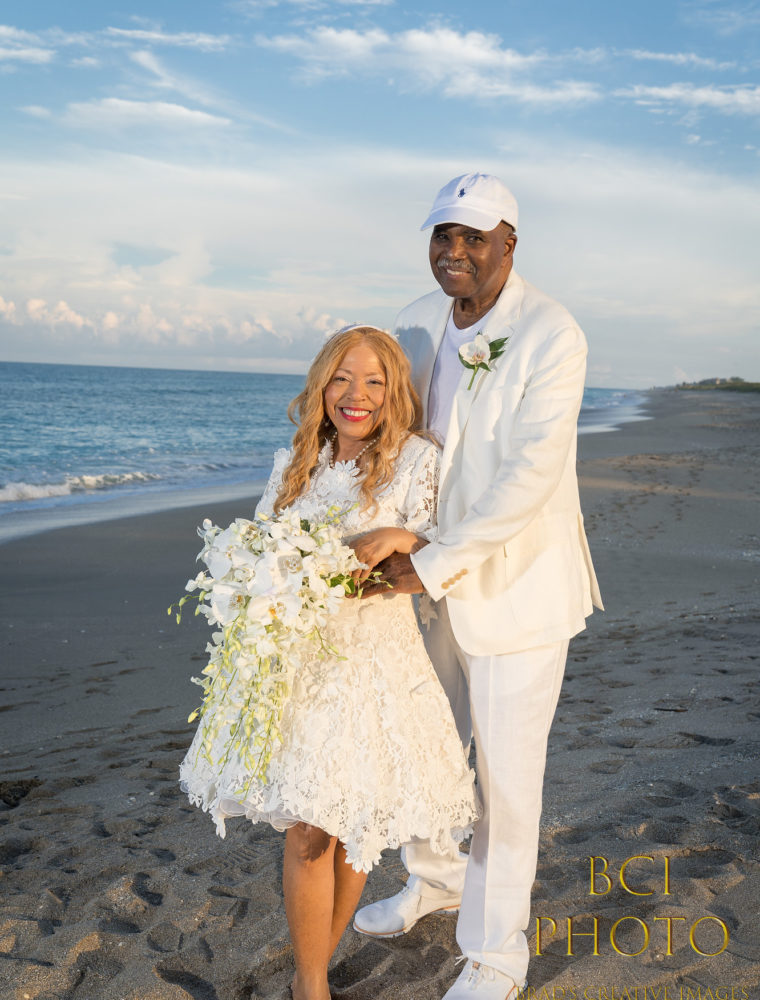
<point x="355" y="395"/>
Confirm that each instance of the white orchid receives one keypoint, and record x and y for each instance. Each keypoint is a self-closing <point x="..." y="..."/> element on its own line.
<point x="479" y="353"/>
<point x="257" y="609"/>
<point x="266" y="575"/>
<point x="226" y="603"/>
<point x="217" y="556"/>
<point x="476" y="351"/>
<point x="270" y="588"/>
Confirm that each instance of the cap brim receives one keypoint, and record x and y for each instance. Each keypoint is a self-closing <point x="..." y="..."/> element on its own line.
<point x="463" y="215"/>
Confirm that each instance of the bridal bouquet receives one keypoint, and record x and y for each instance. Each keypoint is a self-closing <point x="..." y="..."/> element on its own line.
<point x="269" y="586"/>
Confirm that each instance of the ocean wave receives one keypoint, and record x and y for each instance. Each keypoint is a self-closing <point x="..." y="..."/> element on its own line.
<point x="607" y="399"/>
<point x="32" y="491"/>
<point x="14" y="492"/>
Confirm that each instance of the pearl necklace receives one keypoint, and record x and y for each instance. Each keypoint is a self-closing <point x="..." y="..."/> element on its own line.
<point x="356" y="457"/>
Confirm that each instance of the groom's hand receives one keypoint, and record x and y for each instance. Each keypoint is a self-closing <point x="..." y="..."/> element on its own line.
<point x="397" y="570"/>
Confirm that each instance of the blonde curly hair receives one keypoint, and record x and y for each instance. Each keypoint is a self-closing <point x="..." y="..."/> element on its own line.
<point x="401" y="415"/>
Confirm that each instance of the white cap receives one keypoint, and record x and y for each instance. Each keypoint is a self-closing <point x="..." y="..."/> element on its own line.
<point x="477" y="200"/>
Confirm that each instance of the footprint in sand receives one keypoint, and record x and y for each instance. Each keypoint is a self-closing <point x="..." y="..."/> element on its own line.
<point x="165" y="937"/>
<point x="704" y="862"/>
<point x="195" y="986"/>
<point x="12" y="792"/>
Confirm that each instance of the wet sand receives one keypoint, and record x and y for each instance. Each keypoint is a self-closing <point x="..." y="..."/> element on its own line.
<point x="115" y="888"/>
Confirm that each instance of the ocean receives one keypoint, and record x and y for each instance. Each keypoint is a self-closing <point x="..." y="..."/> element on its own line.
<point x="83" y="443"/>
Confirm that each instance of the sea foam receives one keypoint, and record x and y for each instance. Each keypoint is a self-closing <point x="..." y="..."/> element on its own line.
<point x="13" y="492"/>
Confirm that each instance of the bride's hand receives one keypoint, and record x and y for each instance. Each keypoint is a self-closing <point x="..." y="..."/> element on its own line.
<point x="377" y="545"/>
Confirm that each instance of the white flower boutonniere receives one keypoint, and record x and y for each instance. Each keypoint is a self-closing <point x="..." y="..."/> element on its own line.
<point x="480" y="353"/>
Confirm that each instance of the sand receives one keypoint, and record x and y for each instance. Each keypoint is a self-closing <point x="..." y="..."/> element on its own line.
<point x="114" y="888"/>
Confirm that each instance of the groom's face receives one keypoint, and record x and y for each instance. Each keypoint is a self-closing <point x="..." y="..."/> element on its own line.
<point x="471" y="263"/>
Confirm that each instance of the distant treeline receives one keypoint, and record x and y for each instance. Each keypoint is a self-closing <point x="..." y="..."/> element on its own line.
<point x="734" y="384"/>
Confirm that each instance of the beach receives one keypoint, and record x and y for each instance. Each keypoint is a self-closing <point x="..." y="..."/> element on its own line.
<point x="115" y="888"/>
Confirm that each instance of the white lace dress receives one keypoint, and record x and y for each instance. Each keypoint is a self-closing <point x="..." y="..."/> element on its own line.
<point x="369" y="751"/>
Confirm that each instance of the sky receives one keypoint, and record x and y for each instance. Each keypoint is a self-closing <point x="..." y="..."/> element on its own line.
<point x="219" y="185"/>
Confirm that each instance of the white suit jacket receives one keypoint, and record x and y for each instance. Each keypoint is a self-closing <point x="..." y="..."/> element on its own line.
<point x="511" y="557"/>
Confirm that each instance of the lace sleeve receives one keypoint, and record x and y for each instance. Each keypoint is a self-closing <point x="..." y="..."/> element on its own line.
<point x="272" y="488"/>
<point x="421" y="500"/>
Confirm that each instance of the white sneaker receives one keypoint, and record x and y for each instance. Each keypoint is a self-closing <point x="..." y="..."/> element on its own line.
<point x="398" y="914"/>
<point x="482" y="982"/>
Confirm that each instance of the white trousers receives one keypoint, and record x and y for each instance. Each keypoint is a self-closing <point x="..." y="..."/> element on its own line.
<point x="508" y="701"/>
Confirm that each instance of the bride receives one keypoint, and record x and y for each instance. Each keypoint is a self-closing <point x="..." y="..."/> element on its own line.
<point x="370" y="756"/>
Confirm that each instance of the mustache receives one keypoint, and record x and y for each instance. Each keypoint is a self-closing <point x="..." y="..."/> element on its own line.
<point x="455" y="265"/>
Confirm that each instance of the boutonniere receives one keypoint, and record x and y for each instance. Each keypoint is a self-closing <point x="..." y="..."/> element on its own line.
<point x="480" y="353"/>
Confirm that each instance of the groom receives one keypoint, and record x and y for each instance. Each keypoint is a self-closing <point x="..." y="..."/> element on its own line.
<point x="511" y="570"/>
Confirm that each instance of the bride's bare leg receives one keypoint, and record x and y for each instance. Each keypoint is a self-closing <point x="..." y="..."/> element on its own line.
<point x="308" y="883"/>
<point x="321" y="893"/>
<point x="348" y="888"/>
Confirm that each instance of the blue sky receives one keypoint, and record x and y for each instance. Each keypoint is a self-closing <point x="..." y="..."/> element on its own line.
<point x="217" y="185"/>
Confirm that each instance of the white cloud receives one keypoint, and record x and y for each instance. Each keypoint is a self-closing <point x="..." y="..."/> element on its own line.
<point x="36" y="111"/>
<point x="424" y="59"/>
<point x="58" y="37"/>
<point x="725" y="18"/>
<point x="59" y="315"/>
<point x="64" y="314"/>
<point x="690" y="119"/>
<point x="41" y="47"/>
<point x="285" y="307"/>
<point x="7" y="310"/>
<point x="585" y="56"/>
<point x="329" y="51"/>
<point x="610" y="234"/>
<point x="9" y="34"/>
<point x="36" y="47"/>
<point x="169" y="81"/>
<point x="184" y="39"/>
<point x="152" y="328"/>
<point x="115" y="112"/>
<point x="256" y="7"/>
<point x="26" y="55"/>
<point x="165" y="79"/>
<point x="628" y="222"/>
<point x="741" y="100"/>
<point x="563" y="92"/>
<point x="436" y="48"/>
<point x="681" y="59"/>
<point x="36" y="308"/>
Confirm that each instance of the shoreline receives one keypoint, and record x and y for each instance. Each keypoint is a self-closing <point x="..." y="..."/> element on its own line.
<point x="48" y="512"/>
<point x="96" y="509"/>
<point x="117" y="889"/>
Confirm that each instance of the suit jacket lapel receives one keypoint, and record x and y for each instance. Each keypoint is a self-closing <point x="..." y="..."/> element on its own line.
<point x="505" y="311"/>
